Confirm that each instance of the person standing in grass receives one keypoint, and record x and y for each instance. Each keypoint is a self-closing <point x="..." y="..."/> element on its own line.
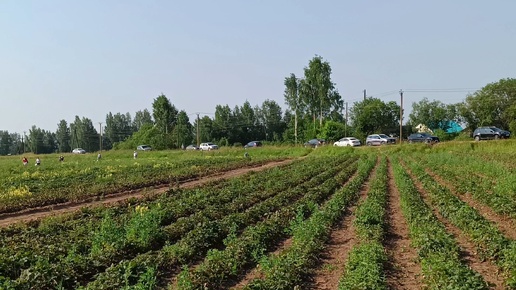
<point x="25" y="161"/>
<point x="99" y="156"/>
<point x="135" y="154"/>
<point x="38" y="162"/>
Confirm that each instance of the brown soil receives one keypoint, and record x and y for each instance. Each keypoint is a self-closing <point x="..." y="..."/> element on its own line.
<point x="41" y="212"/>
<point x="504" y="223"/>
<point x="403" y="270"/>
<point x="468" y="250"/>
<point x="342" y="239"/>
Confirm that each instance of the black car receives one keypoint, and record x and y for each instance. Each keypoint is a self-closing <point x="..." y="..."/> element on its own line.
<point x="490" y="132"/>
<point x="422" y="138"/>
<point x="253" y="144"/>
<point x="314" y="143"/>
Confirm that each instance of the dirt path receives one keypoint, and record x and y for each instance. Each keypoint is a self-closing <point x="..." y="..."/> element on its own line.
<point x="403" y="270"/>
<point x="342" y="239"/>
<point x="504" y="223"/>
<point x="38" y="213"/>
<point x="468" y="250"/>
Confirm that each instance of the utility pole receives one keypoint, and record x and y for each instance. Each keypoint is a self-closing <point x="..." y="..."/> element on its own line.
<point x="364" y="95"/>
<point x="401" y="116"/>
<point x="346" y="124"/>
<point x="100" y="136"/>
<point x="198" y="129"/>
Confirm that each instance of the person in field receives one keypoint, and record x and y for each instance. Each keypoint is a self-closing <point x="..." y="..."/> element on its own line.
<point x="61" y="158"/>
<point x="38" y="162"/>
<point x="99" y="157"/>
<point x="25" y="161"/>
<point x="135" y="154"/>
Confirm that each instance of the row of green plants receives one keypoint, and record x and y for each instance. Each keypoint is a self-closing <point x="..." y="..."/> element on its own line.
<point x="293" y="265"/>
<point x="81" y="177"/>
<point x="438" y="252"/>
<point x="490" y="242"/>
<point x="365" y="265"/>
<point x="88" y="244"/>
<point x="244" y="251"/>
<point x="193" y="246"/>
<point x="487" y="181"/>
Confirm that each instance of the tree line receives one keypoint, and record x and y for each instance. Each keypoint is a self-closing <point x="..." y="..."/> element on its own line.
<point x="315" y="109"/>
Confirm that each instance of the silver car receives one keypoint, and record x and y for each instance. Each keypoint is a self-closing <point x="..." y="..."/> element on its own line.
<point x="78" y="151"/>
<point x="379" y="139"/>
<point x="144" y="148"/>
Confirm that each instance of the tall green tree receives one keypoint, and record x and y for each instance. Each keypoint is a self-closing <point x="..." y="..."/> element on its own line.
<point x="223" y="124"/>
<point x="5" y="142"/>
<point x="36" y="138"/>
<point x="84" y="135"/>
<point x="248" y="123"/>
<point x="318" y="92"/>
<point x="164" y="114"/>
<point x="292" y="98"/>
<point x="493" y="105"/>
<point x="434" y="114"/>
<point x="63" y="137"/>
<point x="205" y="126"/>
<point x="182" y="133"/>
<point x="118" y="127"/>
<point x="270" y="117"/>
<point x="372" y="115"/>
<point x="142" y="118"/>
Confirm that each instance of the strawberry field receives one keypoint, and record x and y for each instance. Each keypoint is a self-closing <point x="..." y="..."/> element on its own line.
<point x="389" y="217"/>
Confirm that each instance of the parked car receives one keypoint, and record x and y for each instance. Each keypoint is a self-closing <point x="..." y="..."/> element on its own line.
<point x="379" y="139"/>
<point x="191" y="147"/>
<point x="490" y="132"/>
<point x="314" y="143"/>
<point x="207" y="146"/>
<point x="347" y="141"/>
<point x="144" y="148"/>
<point x="253" y="144"/>
<point x="78" y="151"/>
<point x="422" y="137"/>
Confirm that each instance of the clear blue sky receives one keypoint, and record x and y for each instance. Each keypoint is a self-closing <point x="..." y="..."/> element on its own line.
<point x="63" y="58"/>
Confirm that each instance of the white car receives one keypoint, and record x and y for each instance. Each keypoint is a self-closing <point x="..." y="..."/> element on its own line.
<point x="144" y="148"/>
<point x="78" y="151"/>
<point x="208" y="146"/>
<point x="347" y="141"/>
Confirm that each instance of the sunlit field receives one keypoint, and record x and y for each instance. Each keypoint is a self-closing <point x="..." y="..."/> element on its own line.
<point x="413" y="216"/>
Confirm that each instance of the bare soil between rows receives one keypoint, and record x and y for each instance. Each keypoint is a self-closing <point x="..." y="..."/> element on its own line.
<point x="403" y="270"/>
<point x="469" y="254"/>
<point x="62" y="208"/>
<point x="342" y="240"/>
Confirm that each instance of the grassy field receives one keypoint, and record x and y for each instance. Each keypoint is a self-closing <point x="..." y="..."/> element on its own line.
<point x="387" y="217"/>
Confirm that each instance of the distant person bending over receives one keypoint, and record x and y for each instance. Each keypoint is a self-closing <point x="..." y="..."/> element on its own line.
<point x="99" y="156"/>
<point x="135" y="154"/>
<point x="25" y="161"/>
<point x="38" y="162"/>
<point x="61" y="158"/>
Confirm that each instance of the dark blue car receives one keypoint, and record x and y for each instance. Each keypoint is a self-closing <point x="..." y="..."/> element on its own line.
<point x="314" y="143"/>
